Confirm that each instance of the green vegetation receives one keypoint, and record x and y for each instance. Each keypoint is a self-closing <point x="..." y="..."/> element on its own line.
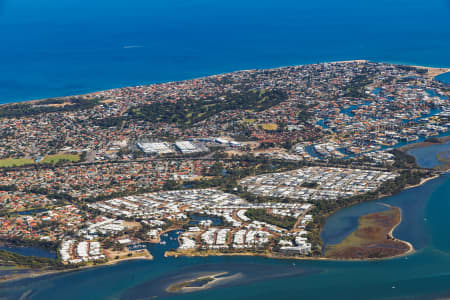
<point x="303" y="115"/>
<point x="109" y="122"/>
<point x="403" y="160"/>
<point x="356" y="87"/>
<point x="8" y="188"/>
<point x="189" y="111"/>
<point x="217" y="169"/>
<point x="13" y="259"/>
<point x="421" y="71"/>
<point x="310" y="185"/>
<point x="56" y="158"/>
<point x="15" y="162"/>
<point x="269" y="126"/>
<point x="50" y="246"/>
<point x="262" y="215"/>
<point x="46" y="106"/>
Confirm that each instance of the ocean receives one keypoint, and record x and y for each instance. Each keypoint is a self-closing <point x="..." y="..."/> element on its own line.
<point x="55" y="48"/>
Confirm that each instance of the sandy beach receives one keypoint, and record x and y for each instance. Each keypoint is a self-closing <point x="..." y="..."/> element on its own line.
<point x="423" y="181"/>
<point x="391" y="232"/>
<point x="212" y="280"/>
<point x="433" y="72"/>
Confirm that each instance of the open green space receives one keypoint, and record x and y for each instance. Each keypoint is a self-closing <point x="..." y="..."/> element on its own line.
<point x="260" y="214"/>
<point x="11" y="162"/>
<point x="189" y="111"/>
<point x="49" y="159"/>
<point x="16" y="260"/>
<point x="53" y="159"/>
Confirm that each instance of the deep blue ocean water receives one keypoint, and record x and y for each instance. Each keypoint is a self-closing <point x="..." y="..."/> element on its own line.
<point x="54" y="48"/>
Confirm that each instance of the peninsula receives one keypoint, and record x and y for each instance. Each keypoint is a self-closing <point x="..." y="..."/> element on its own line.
<point x="244" y="163"/>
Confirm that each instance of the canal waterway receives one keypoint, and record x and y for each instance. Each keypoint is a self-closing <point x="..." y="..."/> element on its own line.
<point x="424" y="274"/>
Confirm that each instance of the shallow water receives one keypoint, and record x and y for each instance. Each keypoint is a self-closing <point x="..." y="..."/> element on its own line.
<point x="422" y="274"/>
<point x="426" y="156"/>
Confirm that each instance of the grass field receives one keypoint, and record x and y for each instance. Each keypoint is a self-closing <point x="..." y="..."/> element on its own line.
<point x="269" y="126"/>
<point x="10" y="162"/>
<point x="53" y="159"/>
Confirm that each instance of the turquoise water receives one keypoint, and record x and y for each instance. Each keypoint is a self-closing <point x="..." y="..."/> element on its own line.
<point x="54" y="48"/>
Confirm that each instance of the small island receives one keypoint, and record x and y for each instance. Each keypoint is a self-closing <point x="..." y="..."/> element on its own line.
<point x="199" y="283"/>
<point x="372" y="239"/>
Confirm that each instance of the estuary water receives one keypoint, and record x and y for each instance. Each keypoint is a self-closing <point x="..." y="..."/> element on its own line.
<point x="54" y="48"/>
<point x="427" y="156"/>
<point x="422" y="275"/>
<point x="30" y="251"/>
<point x="412" y="202"/>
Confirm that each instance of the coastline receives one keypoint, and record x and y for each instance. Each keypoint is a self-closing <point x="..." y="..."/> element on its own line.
<point x="391" y="232"/>
<point x="38" y="273"/>
<point x="433" y="72"/>
<point x="422" y="181"/>
<point x="268" y="255"/>
<point x="412" y="146"/>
